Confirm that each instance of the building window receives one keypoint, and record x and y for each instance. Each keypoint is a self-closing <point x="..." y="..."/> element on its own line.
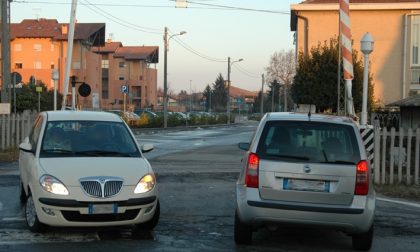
<point x="76" y="65"/>
<point x="105" y="88"/>
<point x="37" y="47"/>
<point x="18" y="47"/>
<point x="52" y="48"/>
<point x="52" y="66"/>
<point x="121" y="64"/>
<point x="415" y="41"/>
<point x="37" y="65"/>
<point x="121" y="77"/>
<point x="18" y="65"/>
<point x="105" y="64"/>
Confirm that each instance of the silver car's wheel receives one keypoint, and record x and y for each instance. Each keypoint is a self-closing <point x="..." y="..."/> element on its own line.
<point x="31" y="216"/>
<point x="242" y="232"/>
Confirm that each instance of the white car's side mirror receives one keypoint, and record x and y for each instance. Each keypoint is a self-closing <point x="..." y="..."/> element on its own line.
<point x="147" y="147"/>
<point x="25" y="146"/>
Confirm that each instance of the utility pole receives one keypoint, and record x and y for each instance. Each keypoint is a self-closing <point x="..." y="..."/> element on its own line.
<point x="5" y="50"/>
<point x="262" y="95"/>
<point x="285" y="97"/>
<point x="165" y="79"/>
<point x="228" y="94"/>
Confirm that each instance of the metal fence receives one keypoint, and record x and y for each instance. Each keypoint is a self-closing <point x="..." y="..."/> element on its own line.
<point x="396" y="156"/>
<point x="14" y="128"/>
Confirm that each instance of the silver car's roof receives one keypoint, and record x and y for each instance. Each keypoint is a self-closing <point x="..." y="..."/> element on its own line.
<point x="292" y="116"/>
<point x="70" y="115"/>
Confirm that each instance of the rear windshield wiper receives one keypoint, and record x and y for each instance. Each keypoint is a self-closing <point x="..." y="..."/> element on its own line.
<point x="57" y="150"/>
<point x="338" y="162"/>
<point x="288" y="156"/>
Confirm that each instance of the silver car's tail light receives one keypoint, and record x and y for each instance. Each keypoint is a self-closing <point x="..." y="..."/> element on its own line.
<point x="362" y="178"/>
<point x="251" y="178"/>
<point x="101" y="187"/>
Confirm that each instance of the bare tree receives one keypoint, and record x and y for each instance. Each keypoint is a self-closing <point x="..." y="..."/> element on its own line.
<point x="282" y="67"/>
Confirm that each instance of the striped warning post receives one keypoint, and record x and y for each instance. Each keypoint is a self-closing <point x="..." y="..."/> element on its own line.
<point x="345" y="34"/>
<point x="367" y="132"/>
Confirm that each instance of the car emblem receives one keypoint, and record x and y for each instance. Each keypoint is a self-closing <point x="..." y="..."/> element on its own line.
<point x="102" y="180"/>
<point x="307" y="169"/>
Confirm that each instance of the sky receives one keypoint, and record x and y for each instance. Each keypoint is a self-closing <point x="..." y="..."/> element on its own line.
<point x="251" y="30"/>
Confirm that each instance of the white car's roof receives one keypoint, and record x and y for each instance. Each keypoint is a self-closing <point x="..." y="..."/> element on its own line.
<point x="305" y="117"/>
<point x="70" y="115"/>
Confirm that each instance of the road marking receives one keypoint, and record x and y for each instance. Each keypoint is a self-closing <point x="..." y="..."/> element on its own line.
<point x="400" y="202"/>
<point x="13" y="219"/>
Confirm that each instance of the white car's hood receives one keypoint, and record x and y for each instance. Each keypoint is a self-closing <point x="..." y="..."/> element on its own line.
<point x="70" y="171"/>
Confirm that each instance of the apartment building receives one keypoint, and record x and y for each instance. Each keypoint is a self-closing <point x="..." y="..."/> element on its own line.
<point x="131" y="66"/>
<point x="38" y="46"/>
<point x="394" y="26"/>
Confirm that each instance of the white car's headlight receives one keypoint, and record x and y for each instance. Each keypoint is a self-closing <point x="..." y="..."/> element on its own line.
<point x="53" y="185"/>
<point x="145" y="184"/>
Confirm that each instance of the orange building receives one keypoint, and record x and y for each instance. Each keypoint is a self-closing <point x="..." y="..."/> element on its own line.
<point x="128" y="66"/>
<point x="394" y="26"/>
<point x="39" y="45"/>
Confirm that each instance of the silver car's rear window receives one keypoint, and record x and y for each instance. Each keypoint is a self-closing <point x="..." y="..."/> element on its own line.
<point x="317" y="142"/>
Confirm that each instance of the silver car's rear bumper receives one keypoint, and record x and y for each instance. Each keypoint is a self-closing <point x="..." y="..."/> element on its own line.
<point x="355" y="218"/>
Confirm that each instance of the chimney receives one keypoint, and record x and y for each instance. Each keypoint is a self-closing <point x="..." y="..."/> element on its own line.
<point x="64" y="29"/>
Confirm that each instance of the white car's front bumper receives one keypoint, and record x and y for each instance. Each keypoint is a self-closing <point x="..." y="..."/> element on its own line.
<point x="75" y="210"/>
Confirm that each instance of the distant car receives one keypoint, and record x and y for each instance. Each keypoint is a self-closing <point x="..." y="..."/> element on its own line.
<point x="309" y="170"/>
<point x="83" y="169"/>
<point x="150" y="114"/>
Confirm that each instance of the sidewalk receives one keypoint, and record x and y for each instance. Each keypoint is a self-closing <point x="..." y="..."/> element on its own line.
<point x="9" y="168"/>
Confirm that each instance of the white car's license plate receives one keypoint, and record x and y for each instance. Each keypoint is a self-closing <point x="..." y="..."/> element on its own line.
<point x="306" y="185"/>
<point x="103" y="208"/>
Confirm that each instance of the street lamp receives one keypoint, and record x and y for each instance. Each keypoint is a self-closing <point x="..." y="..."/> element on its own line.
<point x="228" y="89"/>
<point x="55" y="76"/>
<point x="165" y="74"/>
<point x="366" y="47"/>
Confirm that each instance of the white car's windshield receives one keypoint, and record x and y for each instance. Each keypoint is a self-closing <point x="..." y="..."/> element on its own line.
<point x="87" y="138"/>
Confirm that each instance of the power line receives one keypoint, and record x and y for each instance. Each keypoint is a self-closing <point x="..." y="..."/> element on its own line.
<point x="249" y="74"/>
<point x="119" y="20"/>
<point x="239" y="8"/>
<point x="190" y="49"/>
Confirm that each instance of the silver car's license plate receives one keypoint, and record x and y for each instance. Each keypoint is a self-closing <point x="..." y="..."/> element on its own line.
<point x="103" y="208"/>
<point x="306" y="185"/>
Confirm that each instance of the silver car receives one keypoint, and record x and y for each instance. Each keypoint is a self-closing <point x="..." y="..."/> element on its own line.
<point x="309" y="170"/>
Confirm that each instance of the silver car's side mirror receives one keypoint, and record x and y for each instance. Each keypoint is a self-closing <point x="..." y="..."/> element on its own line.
<point x="26" y="145"/>
<point x="147" y="147"/>
<point x="244" y="146"/>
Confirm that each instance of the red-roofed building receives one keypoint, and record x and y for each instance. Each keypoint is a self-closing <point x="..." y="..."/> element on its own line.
<point x="130" y="66"/>
<point x="39" y="45"/>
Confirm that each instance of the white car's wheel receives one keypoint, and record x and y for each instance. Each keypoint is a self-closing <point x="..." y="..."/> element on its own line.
<point x="22" y="194"/>
<point x="31" y="216"/>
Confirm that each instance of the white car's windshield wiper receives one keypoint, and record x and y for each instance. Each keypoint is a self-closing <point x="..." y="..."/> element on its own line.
<point x="102" y="153"/>
<point x="338" y="162"/>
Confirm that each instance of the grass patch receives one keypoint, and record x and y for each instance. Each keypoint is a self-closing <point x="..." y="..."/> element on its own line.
<point x="399" y="191"/>
<point x="9" y="155"/>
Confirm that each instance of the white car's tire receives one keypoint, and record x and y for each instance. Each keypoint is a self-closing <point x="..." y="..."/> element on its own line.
<point x="32" y="218"/>
<point x="22" y="194"/>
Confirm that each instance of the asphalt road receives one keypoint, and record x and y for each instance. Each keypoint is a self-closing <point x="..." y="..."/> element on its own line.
<point x="196" y="172"/>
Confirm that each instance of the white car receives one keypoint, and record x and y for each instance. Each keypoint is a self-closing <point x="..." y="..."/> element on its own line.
<point x="307" y="170"/>
<point x="80" y="168"/>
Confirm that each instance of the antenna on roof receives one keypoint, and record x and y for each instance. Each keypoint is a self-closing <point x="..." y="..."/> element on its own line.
<point x="309" y="113"/>
<point x="36" y="12"/>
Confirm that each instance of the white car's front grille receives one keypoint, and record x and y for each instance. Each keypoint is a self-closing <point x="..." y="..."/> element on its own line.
<point x="101" y="187"/>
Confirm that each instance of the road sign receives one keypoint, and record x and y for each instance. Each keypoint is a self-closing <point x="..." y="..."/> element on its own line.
<point x="38" y="89"/>
<point x="124" y="89"/>
<point x="84" y="90"/>
<point x="16" y="77"/>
